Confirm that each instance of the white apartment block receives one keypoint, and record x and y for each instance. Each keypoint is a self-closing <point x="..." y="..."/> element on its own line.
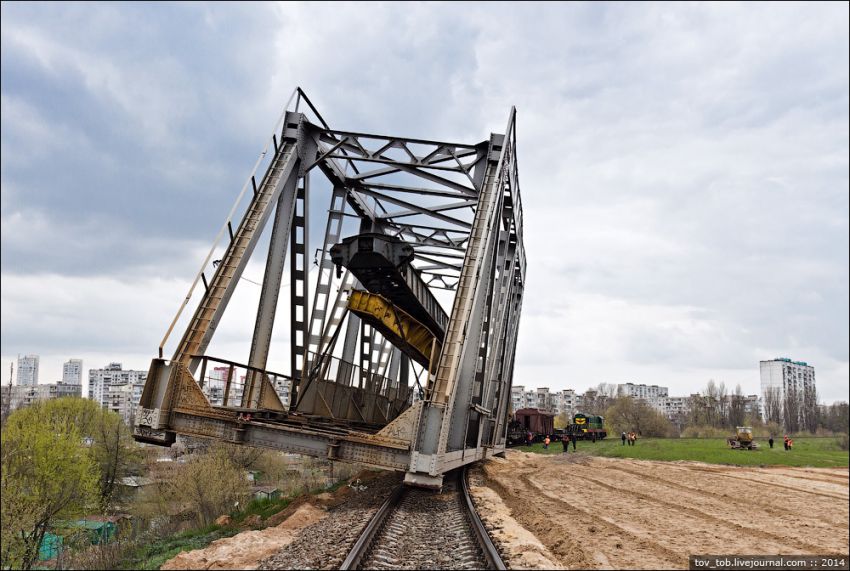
<point x="282" y="387"/>
<point x="72" y="372"/>
<point x="567" y="401"/>
<point x="544" y="399"/>
<point x="27" y="370"/>
<point x="517" y="397"/>
<point x="752" y="405"/>
<point x="653" y="395"/>
<point x="117" y="389"/>
<point x="119" y="399"/>
<point x="673" y="407"/>
<point x="784" y="376"/>
<point x="646" y="392"/>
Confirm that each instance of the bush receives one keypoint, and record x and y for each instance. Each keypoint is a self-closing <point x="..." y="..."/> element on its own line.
<point x="706" y="432"/>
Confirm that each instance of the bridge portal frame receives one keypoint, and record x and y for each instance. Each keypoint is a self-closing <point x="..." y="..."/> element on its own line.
<point x="462" y="415"/>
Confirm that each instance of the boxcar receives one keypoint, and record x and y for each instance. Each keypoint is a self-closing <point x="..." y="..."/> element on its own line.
<point x="538" y="422"/>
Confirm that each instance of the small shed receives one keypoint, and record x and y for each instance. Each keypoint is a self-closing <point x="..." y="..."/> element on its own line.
<point x="51" y="546"/>
<point x="266" y="493"/>
<point x="101" y="528"/>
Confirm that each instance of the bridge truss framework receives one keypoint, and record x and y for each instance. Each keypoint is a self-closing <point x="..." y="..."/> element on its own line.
<point x="429" y="216"/>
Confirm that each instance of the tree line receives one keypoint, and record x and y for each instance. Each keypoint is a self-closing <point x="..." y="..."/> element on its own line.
<point x="713" y="410"/>
<point x="65" y="459"/>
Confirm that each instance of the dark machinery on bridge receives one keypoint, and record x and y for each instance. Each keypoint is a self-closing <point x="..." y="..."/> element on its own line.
<point x="380" y="370"/>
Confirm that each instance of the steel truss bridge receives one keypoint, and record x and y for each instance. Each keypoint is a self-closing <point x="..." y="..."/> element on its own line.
<point x="380" y="372"/>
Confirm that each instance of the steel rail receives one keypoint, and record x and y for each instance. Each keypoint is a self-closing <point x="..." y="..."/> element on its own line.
<point x="364" y="542"/>
<point x="373" y="528"/>
<point x="491" y="554"/>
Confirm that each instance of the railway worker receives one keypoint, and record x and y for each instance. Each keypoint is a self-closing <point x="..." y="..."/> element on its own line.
<point x="623" y="437"/>
<point x="565" y="442"/>
<point x="546" y="442"/>
<point x="785" y="442"/>
<point x="529" y="438"/>
<point x="770" y="441"/>
<point x="573" y="438"/>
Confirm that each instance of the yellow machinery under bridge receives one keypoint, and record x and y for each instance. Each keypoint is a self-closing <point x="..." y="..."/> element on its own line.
<point x="379" y="371"/>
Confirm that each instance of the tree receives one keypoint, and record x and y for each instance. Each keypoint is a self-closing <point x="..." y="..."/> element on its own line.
<point x="47" y="474"/>
<point x="628" y="414"/>
<point x="810" y="413"/>
<point x="208" y="485"/>
<point x="737" y="412"/>
<point x="211" y="484"/>
<point x="791" y="409"/>
<point x="595" y="402"/>
<point x="562" y="420"/>
<point x="836" y="417"/>
<point x="111" y="445"/>
<point x="243" y="457"/>
<point x="773" y="405"/>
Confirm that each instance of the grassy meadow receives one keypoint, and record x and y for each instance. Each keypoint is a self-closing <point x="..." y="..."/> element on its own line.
<point x="815" y="452"/>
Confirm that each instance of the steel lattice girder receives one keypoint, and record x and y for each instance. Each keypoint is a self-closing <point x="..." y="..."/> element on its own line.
<point x="458" y="206"/>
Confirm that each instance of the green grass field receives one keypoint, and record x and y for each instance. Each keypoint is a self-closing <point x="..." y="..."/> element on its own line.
<point x="815" y="452"/>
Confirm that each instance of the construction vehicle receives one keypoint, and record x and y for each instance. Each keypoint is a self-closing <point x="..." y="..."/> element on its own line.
<point x="743" y="439"/>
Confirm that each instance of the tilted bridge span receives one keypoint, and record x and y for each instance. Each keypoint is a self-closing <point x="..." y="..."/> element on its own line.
<point x="381" y="372"/>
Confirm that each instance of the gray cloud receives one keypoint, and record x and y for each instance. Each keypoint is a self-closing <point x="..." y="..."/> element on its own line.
<point x="684" y="167"/>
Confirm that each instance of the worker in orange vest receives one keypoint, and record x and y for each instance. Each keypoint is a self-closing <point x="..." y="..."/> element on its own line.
<point x="546" y="442"/>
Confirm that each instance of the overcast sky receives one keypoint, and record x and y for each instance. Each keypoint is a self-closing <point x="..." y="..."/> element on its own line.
<point x="684" y="168"/>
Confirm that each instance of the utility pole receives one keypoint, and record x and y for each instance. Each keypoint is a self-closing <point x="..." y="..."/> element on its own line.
<point x="7" y="407"/>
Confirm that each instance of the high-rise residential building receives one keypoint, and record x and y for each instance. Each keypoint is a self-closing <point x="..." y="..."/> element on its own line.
<point x="567" y="401"/>
<point x="28" y="370"/>
<point x="646" y="392"/>
<point x="117" y="389"/>
<point x="675" y="407"/>
<point x="782" y="379"/>
<point x="283" y="387"/>
<point x="544" y="399"/>
<point x="517" y="397"/>
<point x="72" y="372"/>
<point x="653" y="395"/>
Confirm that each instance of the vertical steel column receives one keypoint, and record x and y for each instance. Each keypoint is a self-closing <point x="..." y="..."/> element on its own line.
<point x="272" y="280"/>
<point x="299" y="283"/>
<point x="365" y="353"/>
<point x="324" y="280"/>
<point x="349" y="344"/>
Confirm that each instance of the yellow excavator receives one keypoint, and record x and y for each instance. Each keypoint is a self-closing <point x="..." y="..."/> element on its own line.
<point x="743" y="439"/>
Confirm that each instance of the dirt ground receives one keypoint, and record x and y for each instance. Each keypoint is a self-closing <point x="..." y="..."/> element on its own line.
<point x="598" y="513"/>
<point x="245" y="550"/>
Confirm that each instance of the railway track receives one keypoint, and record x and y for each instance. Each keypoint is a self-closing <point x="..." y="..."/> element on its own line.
<point x="421" y="529"/>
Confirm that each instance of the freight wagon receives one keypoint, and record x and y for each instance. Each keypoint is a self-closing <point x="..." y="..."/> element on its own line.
<point x="539" y="423"/>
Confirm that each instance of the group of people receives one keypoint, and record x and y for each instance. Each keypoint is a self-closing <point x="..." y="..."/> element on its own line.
<point x="629" y="438"/>
<point x="786" y="441"/>
<point x="565" y="441"/>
